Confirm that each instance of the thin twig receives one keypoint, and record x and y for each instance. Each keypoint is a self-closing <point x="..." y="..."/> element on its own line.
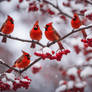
<point x="22" y="40"/>
<point x="3" y="63"/>
<point x="88" y="2"/>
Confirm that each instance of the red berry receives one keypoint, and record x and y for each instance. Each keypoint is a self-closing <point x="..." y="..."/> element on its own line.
<point x="43" y="56"/>
<point x="41" y="5"/>
<point x="20" y="1"/>
<point x="36" y="69"/>
<point x="89" y="17"/>
<point x="84" y="40"/>
<point x="50" y="12"/>
<point x="85" y="45"/>
<point x="53" y="52"/>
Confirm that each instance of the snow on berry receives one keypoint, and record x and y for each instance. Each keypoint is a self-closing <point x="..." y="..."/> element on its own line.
<point x="36" y="68"/>
<point x="87" y="72"/>
<point x="77" y="41"/>
<point x="3" y="79"/>
<point x="72" y="71"/>
<point x="61" y="88"/>
<point x="10" y="76"/>
<point x="80" y="84"/>
<point x="47" y="50"/>
<point x="70" y="84"/>
<point x="88" y="12"/>
<point x="61" y="82"/>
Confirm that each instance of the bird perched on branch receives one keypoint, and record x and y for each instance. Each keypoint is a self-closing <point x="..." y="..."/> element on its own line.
<point x="76" y="23"/>
<point x="35" y="33"/>
<point x="7" y="28"/>
<point x="22" y="62"/>
<point x="52" y="35"/>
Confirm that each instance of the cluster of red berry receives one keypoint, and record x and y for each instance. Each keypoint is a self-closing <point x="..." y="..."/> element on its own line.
<point x="87" y="42"/>
<point x="36" y="69"/>
<point x="25" y="82"/>
<point x="58" y="55"/>
<point x="68" y="4"/>
<point x="32" y="7"/>
<point x="83" y="11"/>
<point x="71" y="86"/>
<point x="76" y="82"/>
<point x="50" y="12"/>
<point x="17" y="83"/>
<point x="4" y="86"/>
<point x="89" y="16"/>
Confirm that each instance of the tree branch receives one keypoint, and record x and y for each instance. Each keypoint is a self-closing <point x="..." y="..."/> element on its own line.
<point x="3" y="63"/>
<point x="56" y="7"/>
<point x="22" y="40"/>
<point x="88" y="2"/>
<point x="2" y="0"/>
<point x="72" y="32"/>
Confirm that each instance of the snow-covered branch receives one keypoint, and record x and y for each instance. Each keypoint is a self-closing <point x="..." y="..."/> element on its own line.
<point x="72" y="32"/>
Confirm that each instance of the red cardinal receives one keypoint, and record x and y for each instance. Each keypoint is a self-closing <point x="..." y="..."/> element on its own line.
<point x="76" y="23"/>
<point x="7" y="27"/>
<point x="35" y="33"/>
<point x="22" y="62"/>
<point x="52" y="35"/>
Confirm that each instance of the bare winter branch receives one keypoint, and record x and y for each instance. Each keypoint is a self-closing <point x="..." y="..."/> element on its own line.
<point x="3" y="63"/>
<point x="22" y="40"/>
<point x="56" y="7"/>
